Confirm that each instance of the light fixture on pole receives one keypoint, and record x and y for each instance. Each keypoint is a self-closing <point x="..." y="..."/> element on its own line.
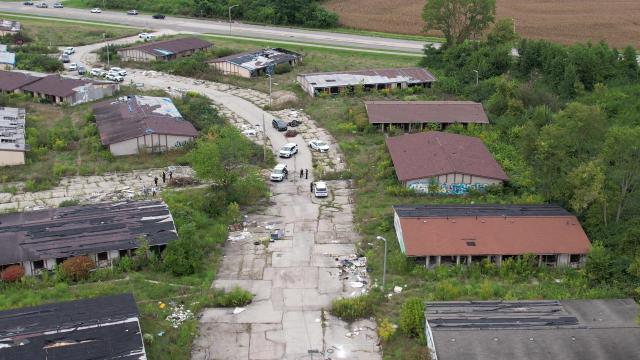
<point x="384" y="270"/>
<point x="231" y="7"/>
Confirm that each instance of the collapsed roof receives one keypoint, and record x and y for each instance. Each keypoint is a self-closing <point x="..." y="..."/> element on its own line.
<point x="80" y="230"/>
<point x="368" y="77"/>
<point x="259" y="59"/>
<point x="171" y="47"/>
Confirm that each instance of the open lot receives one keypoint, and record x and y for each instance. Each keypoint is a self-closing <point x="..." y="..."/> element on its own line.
<point x="569" y="21"/>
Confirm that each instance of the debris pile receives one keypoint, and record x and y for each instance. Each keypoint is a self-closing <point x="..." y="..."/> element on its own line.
<point x="179" y="315"/>
<point x="354" y="268"/>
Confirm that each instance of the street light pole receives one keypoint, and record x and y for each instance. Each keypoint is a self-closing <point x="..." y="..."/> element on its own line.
<point x="384" y="271"/>
<point x="269" y="76"/>
<point x="104" y="36"/>
<point x="477" y="74"/>
<point x="230" y="7"/>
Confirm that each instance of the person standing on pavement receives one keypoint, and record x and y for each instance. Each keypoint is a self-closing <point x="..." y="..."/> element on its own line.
<point x="153" y="191"/>
<point x="155" y="180"/>
<point x="164" y="177"/>
<point x="301" y="173"/>
<point x="312" y="186"/>
<point x="170" y="176"/>
<point x="306" y="173"/>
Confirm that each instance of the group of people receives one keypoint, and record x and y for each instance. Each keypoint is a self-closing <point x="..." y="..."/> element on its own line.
<point x="154" y="189"/>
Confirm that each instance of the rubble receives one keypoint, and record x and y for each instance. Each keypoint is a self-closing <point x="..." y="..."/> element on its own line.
<point x="397" y="289"/>
<point x="238" y="310"/>
<point x="179" y="315"/>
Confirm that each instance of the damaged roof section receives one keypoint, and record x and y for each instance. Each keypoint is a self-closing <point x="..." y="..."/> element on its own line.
<point x="369" y="77"/>
<point x="12" y="129"/>
<point x="533" y="329"/>
<point x="260" y="59"/>
<point x="10" y="25"/>
<point x="131" y="117"/>
<point x="106" y="327"/>
<point x="80" y="230"/>
<point x="171" y="47"/>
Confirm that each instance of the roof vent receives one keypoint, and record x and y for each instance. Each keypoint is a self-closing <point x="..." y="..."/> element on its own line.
<point x="471" y="243"/>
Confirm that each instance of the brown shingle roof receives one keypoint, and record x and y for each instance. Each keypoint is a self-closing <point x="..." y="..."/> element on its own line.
<point x="445" y="112"/>
<point x="56" y="85"/>
<point x="169" y="47"/>
<point x="449" y="230"/>
<point x="123" y="120"/>
<point x="10" y="80"/>
<point x="428" y="154"/>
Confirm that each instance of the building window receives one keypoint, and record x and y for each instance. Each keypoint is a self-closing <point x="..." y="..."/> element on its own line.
<point x="433" y="261"/>
<point x="38" y="265"/>
<point x="59" y="261"/>
<point x="477" y="259"/>
<point x="103" y="256"/>
<point x="575" y="259"/>
<point x="447" y="260"/>
<point x="124" y="253"/>
<point x="549" y="260"/>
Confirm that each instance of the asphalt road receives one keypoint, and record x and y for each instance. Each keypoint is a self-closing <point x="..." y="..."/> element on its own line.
<point x="218" y="27"/>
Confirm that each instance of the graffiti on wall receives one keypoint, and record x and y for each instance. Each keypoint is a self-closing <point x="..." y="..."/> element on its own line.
<point x="448" y="189"/>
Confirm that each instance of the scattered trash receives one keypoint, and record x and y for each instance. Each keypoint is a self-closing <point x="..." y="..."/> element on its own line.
<point x="353" y="267"/>
<point x="397" y="289"/>
<point x="238" y="310"/>
<point x="241" y="236"/>
<point x="161" y="333"/>
<point x="179" y="315"/>
<point x="317" y="319"/>
<point x="161" y="305"/>
<point x="256" y="243"/>
<point x="389" y="295"/>
<point x="356" y="284"/>
<point x="277" y="234"/>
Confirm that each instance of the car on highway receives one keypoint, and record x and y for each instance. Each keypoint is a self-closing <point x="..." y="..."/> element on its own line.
<point x="58" y="5"/>
<point x="320" y="189"/>
<point x="42" y="5"/>
<point x="145" y="36"/>
<point x="319" y="145"/>
<point x="279" y="172"/>
<point x="158" y="16"/>
<point x="73" y="67"/>
<point x="69" y="51"/>
<point x="27" y="3"/>
<point x="279" y="124"/>
<point x="96" y="11"/>
<point x="118" y="71"/>
<point x="288" y="150"/>
<point x="132" y="12"/>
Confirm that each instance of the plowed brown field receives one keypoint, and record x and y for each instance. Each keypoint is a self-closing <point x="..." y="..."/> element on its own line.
<point x="564" y="21"/>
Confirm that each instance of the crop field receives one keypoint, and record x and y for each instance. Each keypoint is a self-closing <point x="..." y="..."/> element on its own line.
<point x="566" y="21"/>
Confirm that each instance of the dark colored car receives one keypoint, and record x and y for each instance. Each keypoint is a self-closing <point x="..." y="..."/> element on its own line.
<point x="279" y="125"/>
<point x="28" y="3"/>
<point x="158" y="16"/>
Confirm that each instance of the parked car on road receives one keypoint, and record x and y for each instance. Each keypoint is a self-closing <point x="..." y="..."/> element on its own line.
<point x="249" y="132"/>
<point x="96" y="72"/>
<point x="81" y="70"/>
<point x="288" y="150"/>
<point x="320" y="189"/>
<point x="319" y="145"/>
<point x="118" y="71"/>
<point x="96" y="11"/>
<point x="65" y="58"/>
<point x="42" y="5"/>
<point x="69" y="51"/>
<point x="158" y="16"/>
<point x="73" y="67"/>
<point x="58" y="5"/>
<point x="145" y="36"/>
<point x="279" y="124"/>
<point x="132" y="12"/>
<point x="279" y="172"/>
<point x="28" y="3"/>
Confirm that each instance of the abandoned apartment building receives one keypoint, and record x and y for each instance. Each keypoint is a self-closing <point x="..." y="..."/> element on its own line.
<point x="421" y="115"/>
<point x="164" y="50"/>
<point x="255" y="63"/>
<point x="445" y="163"/>
<point x="334" y="83"/>
<point x="42" y="239"/>
<point x="135" y="124"/>
<point x="437" y="235"/>
<point x="106" y="327"/>
<point x="533" y="330"/>
<point x="7" y="58"/>
<point x="12" y="136"/>
<point x="9" y="27"/>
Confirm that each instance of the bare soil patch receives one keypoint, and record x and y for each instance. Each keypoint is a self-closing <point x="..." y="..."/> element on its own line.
<point x="566" y="21"/>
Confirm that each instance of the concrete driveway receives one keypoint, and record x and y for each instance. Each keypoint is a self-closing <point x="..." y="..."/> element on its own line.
<point x="294" y="279"/>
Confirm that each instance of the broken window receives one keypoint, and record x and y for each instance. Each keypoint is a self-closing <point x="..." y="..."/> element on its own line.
<point x="124" y="253"/>
<point x="447" y="260"/>
<point x="549" y="260"/>
<point x="59" y="261"/>
<point x="103" y="256"/>
<point x="38" y="264"/>
<point x="477" y="259"/>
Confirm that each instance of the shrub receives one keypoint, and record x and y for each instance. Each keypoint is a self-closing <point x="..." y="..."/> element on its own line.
<point x="77" y="268"/>
<point x="386" y="329"/>
<point x="12" y="274"/>
<point x="350" y="309"/>
<point x="184" y="256"/>
<point x="282" y="68"/>
<point x="67" y="203"/>
<point x="412" y="318"/>
<point x="235" y="297"/>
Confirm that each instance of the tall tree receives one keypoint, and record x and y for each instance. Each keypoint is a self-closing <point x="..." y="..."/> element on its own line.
<point x="459" y="19"/>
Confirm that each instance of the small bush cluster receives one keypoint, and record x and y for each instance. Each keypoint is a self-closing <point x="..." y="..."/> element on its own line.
<point x="234" y="298"/>
<point x="350" y="309"/>
<point x="12" y="273"/>
<point x="77" y="268"/>
<point x="412" y="320"/>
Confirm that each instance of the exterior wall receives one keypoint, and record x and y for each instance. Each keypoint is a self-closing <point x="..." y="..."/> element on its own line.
<point x="452" y="183"/>
<point x="8" y="158"/>
<point x="92" y="92"/>
<point x="228" y="68"/>
<point x="149" y="143"/>
<point x="399" y="235"/>
<point x="135" y="55"/>
<point x="562" y="260"/>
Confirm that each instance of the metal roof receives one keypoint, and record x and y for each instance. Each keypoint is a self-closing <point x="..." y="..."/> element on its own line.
<point x="442" y="112"/>
<point x="56" y="85"/>
<point x="533" y="329"/>
<point x="97" y="328"/>
<point x="7" y="58"/>
<point x="130" y="117"/>
<point x="369" y="77"/>
<point x="12" y="129"/>
<point x="13" y="80"/>
<point x="428" y="154"/>
<point x="474" y="210"/>
<point x="259" y="59"/>
<point x="80" y="230"/>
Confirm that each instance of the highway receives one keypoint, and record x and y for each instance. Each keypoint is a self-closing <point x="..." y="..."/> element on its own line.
<point x="144" y="21"/>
